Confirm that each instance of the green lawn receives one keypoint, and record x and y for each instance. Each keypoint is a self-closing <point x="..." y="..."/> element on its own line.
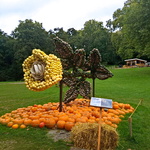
<point x="130" y="86"/>
<point x="127" y="86"/>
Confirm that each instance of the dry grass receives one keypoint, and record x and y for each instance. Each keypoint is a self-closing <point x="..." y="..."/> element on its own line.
<point x="86" y="136"/>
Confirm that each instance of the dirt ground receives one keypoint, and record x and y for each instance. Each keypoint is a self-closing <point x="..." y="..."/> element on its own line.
<point x="57" y="135"/>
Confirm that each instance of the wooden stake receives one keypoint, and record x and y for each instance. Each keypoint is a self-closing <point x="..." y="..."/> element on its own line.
<point x="130" y="117"/>
<point x="99" y="129"/>
<point x="130" y="126"/>
<point x="140" y="102"/>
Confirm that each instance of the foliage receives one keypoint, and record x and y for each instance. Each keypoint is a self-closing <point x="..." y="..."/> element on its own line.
<point x="132" y="27"/>
<point x="6" y="56"/>
<point x="94" y="35"/>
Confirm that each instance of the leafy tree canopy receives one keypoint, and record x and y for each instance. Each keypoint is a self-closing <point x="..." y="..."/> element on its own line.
<point x="6" y="56"/>
<point x="94" y="35"/>
<point x="132" y="26"/>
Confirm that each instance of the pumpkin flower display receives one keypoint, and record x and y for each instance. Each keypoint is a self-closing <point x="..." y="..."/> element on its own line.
<point x="41" y="71"/>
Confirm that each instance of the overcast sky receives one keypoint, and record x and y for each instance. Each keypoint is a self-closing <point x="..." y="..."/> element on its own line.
<point x="56" y="13"/>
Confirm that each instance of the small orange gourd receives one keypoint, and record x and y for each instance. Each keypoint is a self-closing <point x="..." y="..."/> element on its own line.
<point x="61" y="124"/>
<point x="50" y="122"/>
<point x="69" y="125"/>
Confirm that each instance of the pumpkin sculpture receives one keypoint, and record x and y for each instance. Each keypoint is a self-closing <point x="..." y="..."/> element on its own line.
<point x="41" y="71"/>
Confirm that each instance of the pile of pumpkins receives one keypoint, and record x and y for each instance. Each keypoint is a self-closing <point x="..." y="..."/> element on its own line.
<point x="77" y="111"/>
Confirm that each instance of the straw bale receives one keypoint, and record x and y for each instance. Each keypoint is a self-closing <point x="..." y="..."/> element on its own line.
<point x="85" y="135"/>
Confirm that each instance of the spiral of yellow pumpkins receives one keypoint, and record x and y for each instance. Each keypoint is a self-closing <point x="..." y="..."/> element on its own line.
<point x="41" y="71"/>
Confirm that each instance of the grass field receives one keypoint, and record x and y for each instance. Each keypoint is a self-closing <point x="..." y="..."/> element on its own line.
<point x="126" y="86"/>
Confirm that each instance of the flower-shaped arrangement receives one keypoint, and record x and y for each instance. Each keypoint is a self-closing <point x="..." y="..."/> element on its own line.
<point x="41" y="71"/>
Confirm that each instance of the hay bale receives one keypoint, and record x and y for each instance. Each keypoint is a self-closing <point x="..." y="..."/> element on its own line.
<point x="85" y="135"/>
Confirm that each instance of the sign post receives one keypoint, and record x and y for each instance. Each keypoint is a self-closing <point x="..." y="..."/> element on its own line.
<point x="102" y="103"/>
<point x="99" y="129"/>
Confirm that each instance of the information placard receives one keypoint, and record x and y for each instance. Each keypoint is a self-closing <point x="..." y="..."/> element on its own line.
<point x="101" y="102"/>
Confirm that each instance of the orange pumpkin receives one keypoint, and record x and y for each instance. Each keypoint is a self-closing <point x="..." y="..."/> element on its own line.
<point x="130" y="110"/>
<point x="35" y="123"/>
<point x="69" y="125"/>
<point x="64" y="118"/>
<point x="34" y="109"/>
<point x="61" y="124"/>
<point x="15" y="126"/>
<point x="81" y="120"/>
<point x="50" y="123"/>
<point x="33" y="117"/>
<point x="42" y="119"/>
<point x="27" y="121"/>
<point x="92" y="117"/>
<point x="108" y="122"/>
<point x="114" y="125"/>
<point x="116" y="120"/>
<point x="121" y="105"/>
<point x="71" y="119"/>
<point x="115" y="106"/>
<point x="56" y="119"/>
<point x="121" y="112"/>
<point x="18" y="121"/>
<point x="127" y="106"/>
<point x="71" y="110"/>
<point x="121" y="116"/>
<point x="115" y="112"/>
<point x="5" y="121"/>
<point x="91" y="120"/>
<point x="22" y="126"/>
<point x="96" y="114"/>
<point x="53" y="107"/>
<point x="9" y="124"/>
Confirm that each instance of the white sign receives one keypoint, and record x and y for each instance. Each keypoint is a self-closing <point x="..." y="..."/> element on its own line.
<point x="101" y="102"/>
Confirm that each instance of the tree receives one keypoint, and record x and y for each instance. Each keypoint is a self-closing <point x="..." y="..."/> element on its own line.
<point x="94" y="35"/>
<point x="58" y="32"/>
<point x="133" y="24"/>
<point x="6" y="56"/>
<point x="29" y="35"/>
